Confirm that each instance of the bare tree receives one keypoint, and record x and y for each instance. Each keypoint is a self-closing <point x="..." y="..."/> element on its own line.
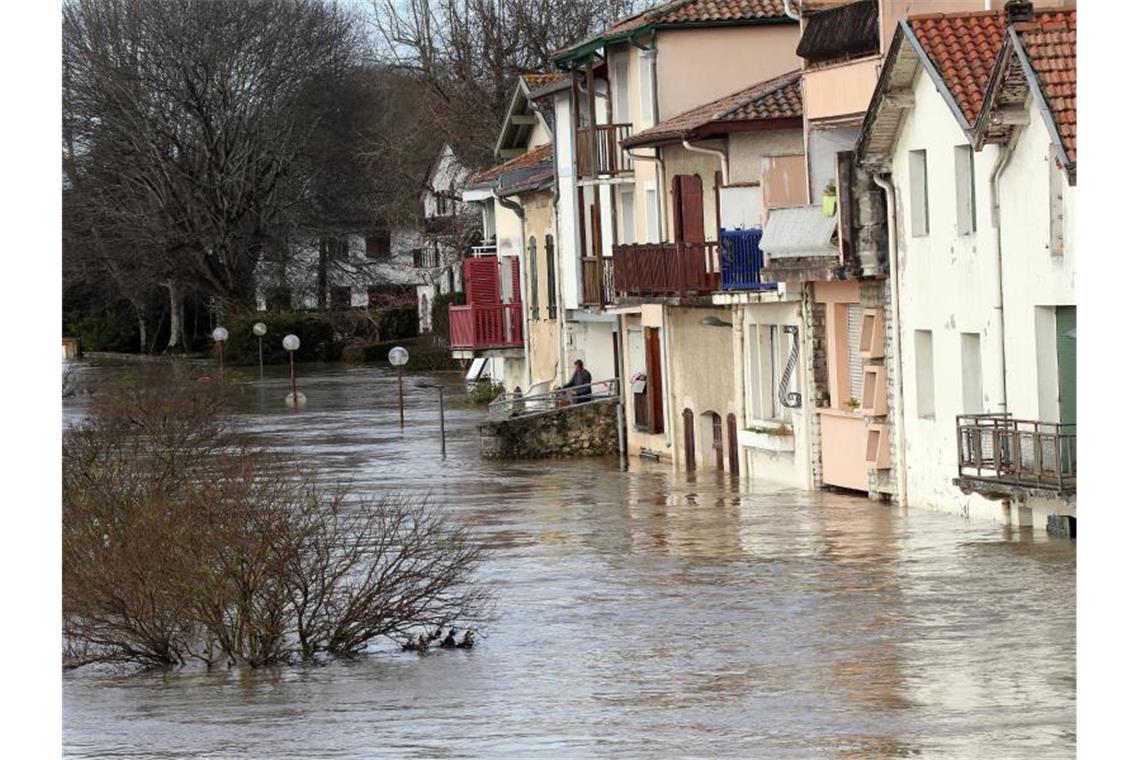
<point x="183" y="540"/>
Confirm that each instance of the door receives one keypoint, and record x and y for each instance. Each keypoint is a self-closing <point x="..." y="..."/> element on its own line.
<point x="653" y="372"/>
<point x="1067" y="363"/>
<point x="733" y="456"/>
<point x="717" y="441"/>
<point x="690" y="441"/>
<point x="688" y="209"/>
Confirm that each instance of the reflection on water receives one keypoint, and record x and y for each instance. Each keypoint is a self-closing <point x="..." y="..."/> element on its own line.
<point x="641" y="613"/>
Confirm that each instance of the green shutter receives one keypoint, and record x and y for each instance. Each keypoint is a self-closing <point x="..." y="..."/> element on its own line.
<point x="1067" y="362"/>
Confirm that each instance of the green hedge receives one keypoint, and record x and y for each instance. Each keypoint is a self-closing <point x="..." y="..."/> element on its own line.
<point x="440" y="318"/>
<point x="319" y="341"/>
<point x="423" y="354"/>
<point x="111" y="329"/>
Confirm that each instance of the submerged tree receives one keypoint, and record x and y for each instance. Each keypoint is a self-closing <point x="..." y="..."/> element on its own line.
<point x="184" y="541"/>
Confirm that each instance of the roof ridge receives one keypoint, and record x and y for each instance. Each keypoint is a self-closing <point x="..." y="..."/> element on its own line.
<point x="939" y="15"/>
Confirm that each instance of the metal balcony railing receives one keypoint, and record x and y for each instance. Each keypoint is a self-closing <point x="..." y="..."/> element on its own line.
<point x="479" y="326"/>
<point x="600" y="153"/>
<point x="666" y="269"/>
<point x="741" y="261"/>
<point x="510" y="404"/>
<point x="1000" y="449"/>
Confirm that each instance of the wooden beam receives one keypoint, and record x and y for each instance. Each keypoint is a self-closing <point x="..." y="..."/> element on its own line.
<point x="511" y="152"/>
<point x="524" y="119"/>
<point x="1010" y="116"/>
<point x="899" y="99"/>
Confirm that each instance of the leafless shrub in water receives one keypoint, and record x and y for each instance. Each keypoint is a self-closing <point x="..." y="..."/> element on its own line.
<point x="184" y="541"/>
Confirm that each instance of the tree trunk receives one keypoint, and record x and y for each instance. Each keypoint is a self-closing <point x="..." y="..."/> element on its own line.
<point x="140" y="315"/>
<point x="323" y="274"/>
<point x="177" y="333"/>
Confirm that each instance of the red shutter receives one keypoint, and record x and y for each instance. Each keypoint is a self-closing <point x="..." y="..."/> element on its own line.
<point x="516" y="292"/>
<point x="482" y="276"/>
<point x="692" y="209"/>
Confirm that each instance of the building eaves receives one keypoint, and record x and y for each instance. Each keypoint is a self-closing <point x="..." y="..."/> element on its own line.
<point x="489" y="178"/>
<point x="844" y="31"/>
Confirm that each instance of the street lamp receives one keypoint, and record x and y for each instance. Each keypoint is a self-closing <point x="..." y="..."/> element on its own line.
<point x="398" y="357"/>
<point x="442" y="431"/>
<point x="259" y="330"/>
<point x="294" y="399"/>
<point x="220" y="336"/>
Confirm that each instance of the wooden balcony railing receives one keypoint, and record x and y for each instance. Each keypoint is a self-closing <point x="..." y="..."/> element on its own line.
<point x="666" y="269"/>
<point x="425" y="258"/>
<point x="599" y="151"/>
<point x="997" y="449"/>
<point x="479" y="326"/>
<point x="598" y="281"/>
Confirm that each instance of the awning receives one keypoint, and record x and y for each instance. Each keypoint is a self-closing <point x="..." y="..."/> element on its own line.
<point x="799" y="231"/>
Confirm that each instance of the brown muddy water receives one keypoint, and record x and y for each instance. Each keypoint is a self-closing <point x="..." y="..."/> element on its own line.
<point x="640" y="614"/>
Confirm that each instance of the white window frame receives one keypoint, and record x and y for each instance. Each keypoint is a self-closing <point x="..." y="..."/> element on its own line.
<point x="924" y="374"/>
<point x="919" y="194"/>
<point x="964" y="190"/>
<point x="652" y="213"/>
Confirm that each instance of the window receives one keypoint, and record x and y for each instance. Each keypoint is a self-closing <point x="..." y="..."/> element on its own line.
<point x="532" y="265"/>
<point x="341" y="297"/>
<point x="620" y="81"/>
<point x="378" y="246"/>
<point x="769" y="354"/>
<point x="551" y="287"/>
<point x="1056" y="206"/>
<point x="919" y="208"/>
<point x="645" y="74"/>
<point x="628" y="222"/>
<point x="964" y="187"/>
<point x="652" y="215"/>
<point x="854" y="356"/>
<point x="972" y="374"/>
<point x="924" y="373"/>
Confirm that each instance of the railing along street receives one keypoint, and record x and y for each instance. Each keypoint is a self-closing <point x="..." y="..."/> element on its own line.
<point x="1001" y="449"/>
<point x="666" y="269"/>
<point x="510" y="404"/>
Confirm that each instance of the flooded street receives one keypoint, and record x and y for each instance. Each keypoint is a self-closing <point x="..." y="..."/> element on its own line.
<point x="639" y="614"/>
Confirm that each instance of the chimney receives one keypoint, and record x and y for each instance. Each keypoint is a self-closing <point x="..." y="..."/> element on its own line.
<point x="1018" y="12"/>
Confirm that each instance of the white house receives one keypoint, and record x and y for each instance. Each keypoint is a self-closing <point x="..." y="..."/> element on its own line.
<point x="447" y="224"/>
<point x="978" y="207"/>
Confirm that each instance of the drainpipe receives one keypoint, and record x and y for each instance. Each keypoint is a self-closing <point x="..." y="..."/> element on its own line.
<point x="896" y="358"/>
<point x="559" y="311"/>
<point x="521" y="214"/>
<point x="995" y="214"/>
<point x="789" y="12"/>
<point x="720" y="153"/>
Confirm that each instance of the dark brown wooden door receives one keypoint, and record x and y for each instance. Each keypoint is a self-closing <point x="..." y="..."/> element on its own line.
<point x="717" y="441"/>
<point x="653" y="370"/>
<point x="733" y="456"/>
<point x="690" y="441"/>
<point x="688" y="209"/>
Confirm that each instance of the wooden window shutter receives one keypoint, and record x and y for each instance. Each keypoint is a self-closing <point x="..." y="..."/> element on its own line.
<point x="692" y="209"/>
<point x="516" y="291"/>
<point x="482" y="276"/>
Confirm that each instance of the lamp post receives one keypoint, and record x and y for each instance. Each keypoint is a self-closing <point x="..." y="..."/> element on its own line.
<point x="259" y="330"/>
<point x="291" y="344"/>
<point x="398" y="357"/>
<point x="220" y="335"/>
<point x="442" y="431"/>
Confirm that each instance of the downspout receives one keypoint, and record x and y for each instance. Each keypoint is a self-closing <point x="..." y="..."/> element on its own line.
<point x="995" y="216"/>
<point x="789" y="12"/>
<point x="560" y="305"/>
<point x="521" y="214"/>
<point x="720" y="153"/>
<point x="896" y="358"/>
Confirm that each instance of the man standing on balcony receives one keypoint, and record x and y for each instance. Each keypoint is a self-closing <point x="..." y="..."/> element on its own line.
<point x="580" y="381"/>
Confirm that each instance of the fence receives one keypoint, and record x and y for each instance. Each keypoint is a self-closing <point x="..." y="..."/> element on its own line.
<point x="998" y="448"/>
<point x="511" y="404"/>
<point x="666" y="269"/>
<point x="741" y="261"/>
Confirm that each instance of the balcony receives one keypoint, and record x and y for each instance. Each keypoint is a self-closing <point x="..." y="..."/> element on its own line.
<point x="999" y="456"/>
<point x="598" y="281"/>
<point x="485" y="248"/>
<point x="481" y="326"/>
<point x="741" y="261"/>
<point x="600" y="153"/>
<point x="425" y="258"/>
<point x="666" y="269"/>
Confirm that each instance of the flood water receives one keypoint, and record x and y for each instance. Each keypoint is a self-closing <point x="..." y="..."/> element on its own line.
<point x="640" y="614"/>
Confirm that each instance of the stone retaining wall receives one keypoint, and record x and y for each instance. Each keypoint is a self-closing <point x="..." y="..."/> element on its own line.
<point x="581" y="430"/>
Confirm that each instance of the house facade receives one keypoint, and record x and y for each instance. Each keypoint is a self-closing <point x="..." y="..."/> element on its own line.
<point x="449" y="225"/>
<point x="982" y="177"/>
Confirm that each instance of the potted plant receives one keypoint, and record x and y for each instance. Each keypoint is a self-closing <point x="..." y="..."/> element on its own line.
<point x="830" y="199"/>
<point x="852" y="405"/>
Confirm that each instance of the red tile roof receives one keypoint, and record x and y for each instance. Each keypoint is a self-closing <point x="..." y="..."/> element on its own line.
<point x="777" y="98"/>
<point x="527" y="160"/>
<point x="536" y="80"/>
<point x="680" y="12"/>
<point x="1050" y="44"/>
<point x="964" y="48"/>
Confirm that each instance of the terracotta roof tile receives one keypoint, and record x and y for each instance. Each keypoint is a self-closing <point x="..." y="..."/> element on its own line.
<point x="536" y="80"/>
<point x="1050" y="44"/>
<point x="964" y="48"/>
<point x="532" y="159"/>
<point x="691" y="12"/>
<point x="777" y="98"/>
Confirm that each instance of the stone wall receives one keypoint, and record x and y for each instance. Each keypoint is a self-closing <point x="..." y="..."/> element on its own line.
<point x="580" y="430"/>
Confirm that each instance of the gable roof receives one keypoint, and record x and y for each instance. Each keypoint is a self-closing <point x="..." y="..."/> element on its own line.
<point x="679" y="14"/>
<point x="960" y="53"/>
<point x="1038" y="58"/>
<point x="774" y="100"/>
<point x="524" y="164"/>
<point x="513" y="135"/>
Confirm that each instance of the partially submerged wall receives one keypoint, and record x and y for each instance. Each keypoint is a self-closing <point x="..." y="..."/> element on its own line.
<point x="579" y="430"/>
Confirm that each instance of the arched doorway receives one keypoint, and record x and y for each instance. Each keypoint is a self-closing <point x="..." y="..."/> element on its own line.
<point x="712" y="440"/>
<point x="690" y="441"/>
